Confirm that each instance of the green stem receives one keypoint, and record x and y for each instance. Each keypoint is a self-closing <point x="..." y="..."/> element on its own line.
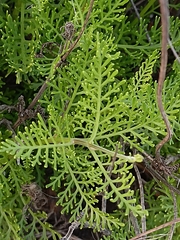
<point x="99" y="97"/>
<point x="93" y="147"/>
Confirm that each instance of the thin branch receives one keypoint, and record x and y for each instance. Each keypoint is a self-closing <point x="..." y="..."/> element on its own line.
<point x="159" y="177"/>
<point x="132" y="217"/>
<point x="162" y="74"/>
<point x="138" y="15"/>
<point x="173" y="50"/>
<point x="134" y="222"/>
<point x="156" y="229"/>
<point x="79" y="36"/>
<point x="143" y="219"/>
<point x="175" y="216"/>
<point x="94" y="147"/>
<point x="72" y="227"/>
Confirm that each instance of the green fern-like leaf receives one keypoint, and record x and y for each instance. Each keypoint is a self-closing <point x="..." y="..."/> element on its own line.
<point x="91" y="104"/>
<point x="19" y="50"/>
<point x="9" y="227"/>
<point x="83" y="179"/>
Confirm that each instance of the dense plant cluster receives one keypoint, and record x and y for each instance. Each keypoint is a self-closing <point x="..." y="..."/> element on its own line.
<point x="103" y="95"/>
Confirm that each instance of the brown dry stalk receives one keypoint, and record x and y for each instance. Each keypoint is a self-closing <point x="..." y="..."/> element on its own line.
<point x="171" y="232"/>
<point x="156" y="229"/>
<point x="141" y="190"/>
<point x="162" y="74"/>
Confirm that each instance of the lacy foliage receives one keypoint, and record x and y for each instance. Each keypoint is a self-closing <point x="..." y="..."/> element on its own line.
<point x="104" y="94"/>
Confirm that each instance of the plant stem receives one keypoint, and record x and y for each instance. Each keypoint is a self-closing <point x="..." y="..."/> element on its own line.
<point x="162" y="74"/>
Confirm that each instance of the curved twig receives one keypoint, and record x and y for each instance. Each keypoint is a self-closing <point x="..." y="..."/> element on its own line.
<point x="162" y="74"/>
<point x="156" y="229"/>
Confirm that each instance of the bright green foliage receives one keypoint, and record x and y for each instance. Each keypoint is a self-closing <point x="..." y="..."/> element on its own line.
<point x="104" y="94"/>
<point x="18" y="41"/>
<point x="31" y="24"/>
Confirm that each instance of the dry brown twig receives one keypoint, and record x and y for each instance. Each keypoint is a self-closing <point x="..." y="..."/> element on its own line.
<point x="143" y="219"/>
<point x="138" y="15"/>
<point x="164" y="55"/>
<point x="164" y="8"/>
<point x="159" y="166"/>
<point x="162" y="74"/>
<point x="72" y="227"/>
<point x="173" y="50"/>
<point x="171" y="232"/>
<point x="156" y="229"/>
